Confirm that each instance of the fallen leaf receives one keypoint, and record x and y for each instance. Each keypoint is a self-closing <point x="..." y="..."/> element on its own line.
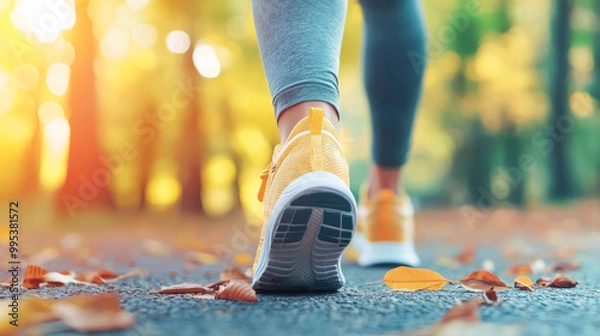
<point x="467" y="255"/>
<point x="519" y="269"/>
<point x="184" y="288"/>
<point x="237" y="290"/>
<point x="566" y="266"/>
<point x="482" y="280"/>
<point x="37" y="310"/>
<point x="523" y="282"/>
<point x="243" y="259"/>
<point x="217" y="285"/>
<point x="235" y="274"/>
<point x="414" y="279"/>
<point x="93" y="313"/>
<point x="55" y="279"/>
<point x="34" y="276"/>
<point x="563" y="281"/>
<point x="136" y="272"/>
<point x="543" y="282"/>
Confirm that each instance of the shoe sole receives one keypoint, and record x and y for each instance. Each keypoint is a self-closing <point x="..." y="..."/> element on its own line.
<point x="312" y="223"/>
<point x="376" y="253"/>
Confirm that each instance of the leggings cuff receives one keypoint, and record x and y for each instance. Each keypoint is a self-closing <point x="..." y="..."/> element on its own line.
<point x="303" y="92"/>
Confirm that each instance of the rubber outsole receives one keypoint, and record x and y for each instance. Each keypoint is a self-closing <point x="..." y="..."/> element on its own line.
<point x="311" y="225"/>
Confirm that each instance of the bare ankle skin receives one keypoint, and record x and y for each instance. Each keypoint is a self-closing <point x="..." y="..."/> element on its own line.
<point x="291" y="116"/>
<point x="383" y="178"/>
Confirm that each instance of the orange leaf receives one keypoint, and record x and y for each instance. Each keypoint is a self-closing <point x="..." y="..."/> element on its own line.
<point x="184" y="288"/>
<point x="93" y="313"/>
<point x="33" y="276"/>
<point x="237" y="290"/>
<point x="490" y="296"/>
<point x="563" y="281"/>
<point x="519" y="269"/>
<point x="523" y="282"/>
<point x="242" y="259"/>
<point x="96" y="277"/>
<point x="408" y="278"/>
<point x="235" y="274"/>
<point x="482" y="280"/>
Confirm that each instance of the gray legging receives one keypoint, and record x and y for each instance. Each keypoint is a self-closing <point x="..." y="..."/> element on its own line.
<point x="300" y="43"/>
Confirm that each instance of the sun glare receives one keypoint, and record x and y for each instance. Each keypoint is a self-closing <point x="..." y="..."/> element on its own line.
<point x="55" y="148"/>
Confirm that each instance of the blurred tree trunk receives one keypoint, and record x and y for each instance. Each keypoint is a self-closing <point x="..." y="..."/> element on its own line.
<point x="479" y="169"/>
<point x="561" y="176"/>
<point x="86" y="183"/>
<point x="513" y="151"/>
<point x="191" y="149"/>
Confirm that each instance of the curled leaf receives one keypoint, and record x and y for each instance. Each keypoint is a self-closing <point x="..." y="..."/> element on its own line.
<point x="482" y="280"/>
<point x="235" y="274"/>
<point x="237" y="290"/>
<point x="34" y="276"/>
<point x="523" y="282"/>
<point x="184" y="288"/>
<point x="414" y="279"/>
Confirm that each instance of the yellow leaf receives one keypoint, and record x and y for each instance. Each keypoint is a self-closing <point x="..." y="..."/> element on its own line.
<point x="525" y="280"/>
<point x="414" y="279"/>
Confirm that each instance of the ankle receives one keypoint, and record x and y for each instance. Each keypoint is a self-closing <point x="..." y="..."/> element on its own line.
<point x="381" y="178"/>
<point x="291" y="116"/>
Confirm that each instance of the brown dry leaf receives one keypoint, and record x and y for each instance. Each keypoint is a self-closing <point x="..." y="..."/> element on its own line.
<point x="237" y="290"/>
<point x="566" y="266"/>
<point x="185" y="288"/>
<point x="466" y="311"/>
<point x="34" y="276"/>
<point x="523" y="282"/>
<point x="217" y="285"/>
<point x="519" y="269"/>
<point x="563" y="281"/>
<point x="543" y="282"/>
<point x="93" y="313"/>
<point x="235" y="274"/>
<point x="482" y="280"/>
<point x="467" y="255"/>
<point x="414" y="279"/>
<point x="243" y="259"/>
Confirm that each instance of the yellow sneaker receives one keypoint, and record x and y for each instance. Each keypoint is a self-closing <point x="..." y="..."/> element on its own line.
<point x="310" y="213"/>
<point x="385" y="231"/>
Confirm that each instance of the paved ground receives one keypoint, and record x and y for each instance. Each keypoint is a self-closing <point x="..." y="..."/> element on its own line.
<point x="372" y="309"/>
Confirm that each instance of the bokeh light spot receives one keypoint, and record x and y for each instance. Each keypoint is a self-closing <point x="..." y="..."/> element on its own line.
<point x="178" y="42"/>
<point x="163" y="190"/>
<point x="49" y="111"/>
<point x="143" y="35"/>
<point x="57" y="78"/>
<point x="206" y="61"/>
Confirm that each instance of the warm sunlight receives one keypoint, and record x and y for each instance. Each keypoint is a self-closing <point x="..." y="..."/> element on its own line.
<point x="206" y="61"/>
<point x="55" y="149"/>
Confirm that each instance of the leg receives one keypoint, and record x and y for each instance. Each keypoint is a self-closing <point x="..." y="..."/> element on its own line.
<point x="310" y="213"/>
<point x="300" y="44"/>
<point x="394" y="33"/>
